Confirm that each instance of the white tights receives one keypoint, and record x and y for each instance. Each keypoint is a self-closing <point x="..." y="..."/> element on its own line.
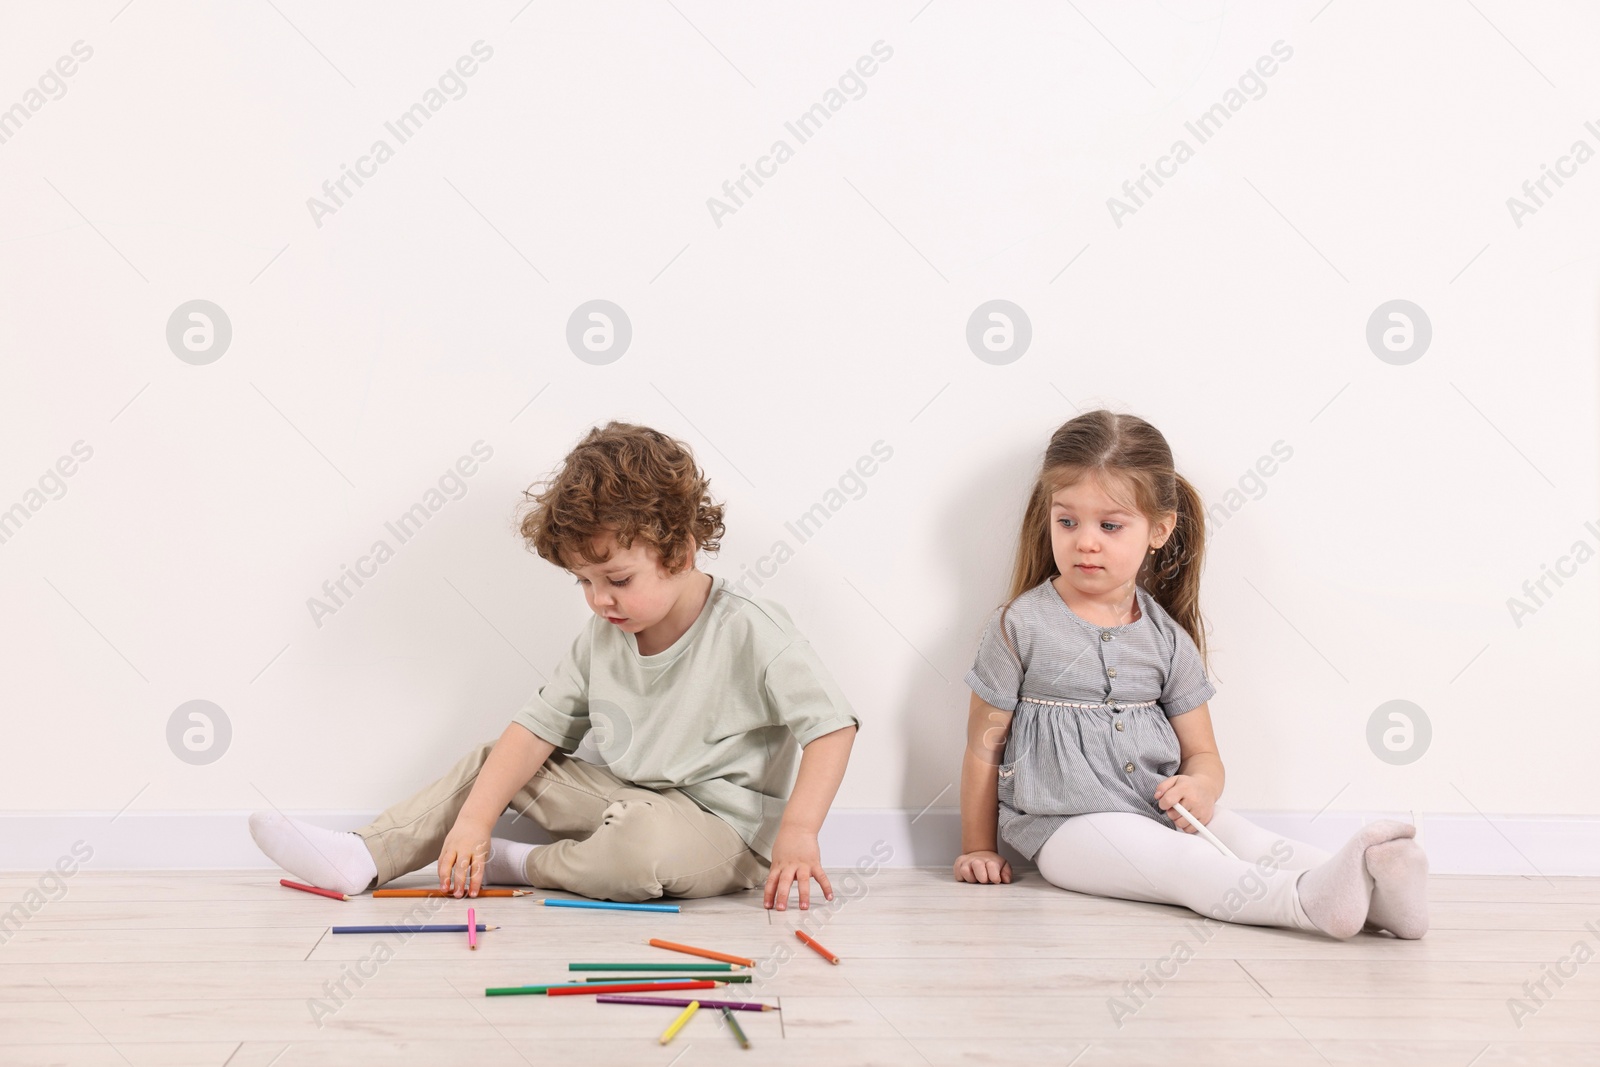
<point x="1132" y="857"/>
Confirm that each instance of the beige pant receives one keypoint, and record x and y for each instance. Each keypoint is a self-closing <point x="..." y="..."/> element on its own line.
<point x="614" y="840"/>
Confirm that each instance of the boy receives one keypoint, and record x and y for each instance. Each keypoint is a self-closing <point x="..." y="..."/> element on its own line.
<point x="695" y="695"/>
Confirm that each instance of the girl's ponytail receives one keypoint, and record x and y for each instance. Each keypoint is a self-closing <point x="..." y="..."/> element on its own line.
<point x="1035" y="561"/>
<point x="1171" y="573"/>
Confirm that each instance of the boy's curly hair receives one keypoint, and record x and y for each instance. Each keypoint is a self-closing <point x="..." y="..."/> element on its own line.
<point x="635" y="482"/>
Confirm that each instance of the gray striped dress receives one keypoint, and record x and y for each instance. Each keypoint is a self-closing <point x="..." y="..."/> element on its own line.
<point x="1090" y="705"/>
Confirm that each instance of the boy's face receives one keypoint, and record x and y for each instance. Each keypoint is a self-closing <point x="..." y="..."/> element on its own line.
<point x="630" y="589"/>
<point x="1098" y="542"/>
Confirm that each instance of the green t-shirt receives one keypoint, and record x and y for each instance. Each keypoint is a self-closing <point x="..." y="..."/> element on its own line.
<point x="717" y="715"/>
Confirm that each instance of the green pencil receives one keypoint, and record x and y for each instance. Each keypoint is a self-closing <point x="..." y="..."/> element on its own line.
<point x="733" y="1024"/>
<point x="649" y="966"/>
<point x="669" y="978"/>
<point x="520" y="990"/>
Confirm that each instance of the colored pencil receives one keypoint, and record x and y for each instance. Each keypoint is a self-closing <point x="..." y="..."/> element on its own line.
<point x="1200" y="829"/>
<point x="733" y="1024"/>
<point x="312" y="889"/>
<point x="678" y="1002"/>
<point x="705" y="952"/>
<point x="678" y="1023"/>
<point x="523" y="990"/>
<point x="441" y="928"/>
<point x="669" y="978"/>
<point x="628" y="987"/>
<point x="817" y="945"/>
<point x="606" y="905"/>
<point x="650" y="966"/>
<point x="472" y="929"/>
<point x="443" y="893"/>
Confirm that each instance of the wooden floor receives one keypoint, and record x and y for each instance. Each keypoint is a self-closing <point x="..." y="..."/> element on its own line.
<point x="173" y="969"/>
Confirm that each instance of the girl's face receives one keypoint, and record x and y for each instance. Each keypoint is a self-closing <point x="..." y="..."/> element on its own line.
<point x="630" y="590"/>
<point x="1098" y="542"/>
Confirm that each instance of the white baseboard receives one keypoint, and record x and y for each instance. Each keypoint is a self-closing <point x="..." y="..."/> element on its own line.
<point x="1528" y="845"/>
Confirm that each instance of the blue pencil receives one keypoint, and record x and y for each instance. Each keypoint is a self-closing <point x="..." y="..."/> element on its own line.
<point x="443" y="928"/>
<point x="607" y="905"/>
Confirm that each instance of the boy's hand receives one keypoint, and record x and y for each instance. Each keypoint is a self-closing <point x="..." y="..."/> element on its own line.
<point x="797" y="859"/>
<point x="1194" y="791"/>
<point x="987" y="867"/>
<point x="461" y="860"/>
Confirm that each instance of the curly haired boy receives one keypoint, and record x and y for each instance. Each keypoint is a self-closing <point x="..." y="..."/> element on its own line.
<point x="699" y="701"/>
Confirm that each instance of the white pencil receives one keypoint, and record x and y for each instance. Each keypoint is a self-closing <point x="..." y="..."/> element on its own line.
<point x="1202" y="831"/>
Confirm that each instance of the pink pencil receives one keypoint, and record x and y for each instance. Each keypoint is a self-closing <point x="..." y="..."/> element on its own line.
<point x="472" y="929"/>
<point x="312" y="889"/>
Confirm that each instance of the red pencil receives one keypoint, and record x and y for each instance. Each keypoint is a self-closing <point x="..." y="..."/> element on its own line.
<point x="629" y="987"/>
<point x="312" y="889"/>
<point x="472" y="929"/>
<point x="817" y="945"/>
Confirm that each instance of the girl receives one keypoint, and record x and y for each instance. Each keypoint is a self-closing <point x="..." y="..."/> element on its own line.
<point x="1091" y="678"/>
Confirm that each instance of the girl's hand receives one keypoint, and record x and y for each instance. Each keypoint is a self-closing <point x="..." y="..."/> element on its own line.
<point x="461" y="860"/>
<point x="796" y="859"/>
<point x="986" y="867"/>
<point x="1193" y="791"/>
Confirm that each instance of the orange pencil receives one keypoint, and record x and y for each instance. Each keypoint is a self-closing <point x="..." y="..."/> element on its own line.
<point x="628" y="987"/>
<point x="817" y="945"/>
<point x="472" y="929"/>
<point x="703" y="952"/>
<point x="312" y="889"/>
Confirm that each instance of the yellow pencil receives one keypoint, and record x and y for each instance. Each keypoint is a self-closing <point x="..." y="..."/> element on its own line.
<point x="677" y="1024"/>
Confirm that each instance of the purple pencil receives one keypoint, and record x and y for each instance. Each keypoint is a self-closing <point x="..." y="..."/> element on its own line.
<point x="683" y="1002"/>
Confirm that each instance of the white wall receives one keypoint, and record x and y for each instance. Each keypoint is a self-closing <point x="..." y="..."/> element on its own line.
<point x="827" y="313"/>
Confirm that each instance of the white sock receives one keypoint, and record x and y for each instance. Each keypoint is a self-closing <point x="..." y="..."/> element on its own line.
<point x="1400" y="894"/>
<point x="507" y="863"/>
<point x="328" y="859"/>
<point x="1337" y="892"/>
